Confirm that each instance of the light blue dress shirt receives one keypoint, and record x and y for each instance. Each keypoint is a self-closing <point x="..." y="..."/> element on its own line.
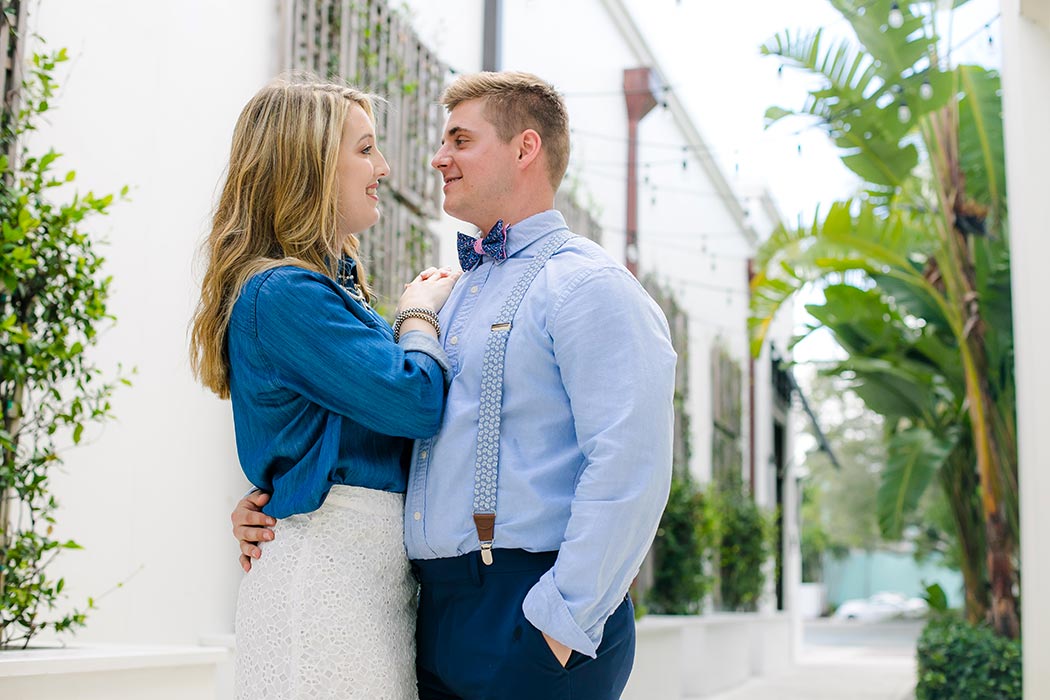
<point x="586" y="434"/>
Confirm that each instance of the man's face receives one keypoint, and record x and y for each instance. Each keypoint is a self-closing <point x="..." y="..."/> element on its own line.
<point x="477" y="167"/>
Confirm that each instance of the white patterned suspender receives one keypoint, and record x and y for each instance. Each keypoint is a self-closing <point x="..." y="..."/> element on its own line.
<point x="486" y="464"/>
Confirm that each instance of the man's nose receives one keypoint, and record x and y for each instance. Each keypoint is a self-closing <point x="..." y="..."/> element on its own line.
<point x="440" y="159"/>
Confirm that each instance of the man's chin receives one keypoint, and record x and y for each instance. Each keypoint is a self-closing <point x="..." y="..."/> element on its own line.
<point x="453" y="209"/>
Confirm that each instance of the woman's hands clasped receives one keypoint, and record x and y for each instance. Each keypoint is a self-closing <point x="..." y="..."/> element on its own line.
<point x="429" y="290"/>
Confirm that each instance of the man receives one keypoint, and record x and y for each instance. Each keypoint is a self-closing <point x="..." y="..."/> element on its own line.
<point x="529" y="514"/>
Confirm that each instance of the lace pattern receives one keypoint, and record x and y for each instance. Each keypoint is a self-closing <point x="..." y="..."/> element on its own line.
<point x="328" y="612"/>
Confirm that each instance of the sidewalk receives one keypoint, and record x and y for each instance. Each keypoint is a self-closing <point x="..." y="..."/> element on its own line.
<point x="837" y="664"/>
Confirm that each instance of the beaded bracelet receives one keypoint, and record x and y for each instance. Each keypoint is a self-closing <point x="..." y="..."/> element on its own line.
<point x="419" y="312"/>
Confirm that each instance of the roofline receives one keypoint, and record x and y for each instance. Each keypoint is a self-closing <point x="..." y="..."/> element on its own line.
<point x="633" y="36"/>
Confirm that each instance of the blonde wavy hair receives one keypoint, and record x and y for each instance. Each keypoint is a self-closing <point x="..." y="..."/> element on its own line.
<point x="278" y="206"/>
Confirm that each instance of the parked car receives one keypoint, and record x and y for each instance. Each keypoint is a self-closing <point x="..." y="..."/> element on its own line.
<point x="882" y="606"/>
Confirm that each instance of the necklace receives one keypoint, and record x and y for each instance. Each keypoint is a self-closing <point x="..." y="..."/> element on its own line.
<point x="347" y="279"/>
<point x="353" y="291"/>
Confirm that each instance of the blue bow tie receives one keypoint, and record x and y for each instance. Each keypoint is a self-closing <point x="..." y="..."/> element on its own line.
<point x="472" y="249"/>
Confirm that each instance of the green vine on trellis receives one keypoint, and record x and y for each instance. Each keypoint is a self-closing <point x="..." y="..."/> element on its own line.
<point x="53" y="297"/>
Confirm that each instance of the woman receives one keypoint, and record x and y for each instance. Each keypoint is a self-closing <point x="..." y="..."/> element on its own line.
<point x="324" y="395"/>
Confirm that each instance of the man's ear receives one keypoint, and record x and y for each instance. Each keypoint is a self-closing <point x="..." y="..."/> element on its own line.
<point x="529" y="147"/>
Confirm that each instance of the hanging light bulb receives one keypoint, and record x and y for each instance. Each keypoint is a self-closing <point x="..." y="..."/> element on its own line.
<point x="903" y="113"/>
<point x="926" y="90"/>
<point x="896" y="17"/>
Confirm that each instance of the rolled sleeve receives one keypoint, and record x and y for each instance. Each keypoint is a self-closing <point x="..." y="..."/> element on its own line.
<point x="418" y="341"/>
<point x="545" y="608"/>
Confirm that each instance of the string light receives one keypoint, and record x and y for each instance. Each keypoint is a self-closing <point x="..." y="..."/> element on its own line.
<point x="896" y="17"/>
<point x="926" y="90"/>
<point x="904" y="112"/>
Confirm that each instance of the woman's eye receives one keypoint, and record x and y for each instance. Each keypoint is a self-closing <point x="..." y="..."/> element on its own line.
<point x="367" y="150"/>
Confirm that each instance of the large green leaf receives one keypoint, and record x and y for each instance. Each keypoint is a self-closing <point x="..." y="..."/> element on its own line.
<point x="775" y="114"/>
<point x="863" y="322"/>
<point x="981" y="151"/>
<point x="847" y="105"/>
<point x="844" y="241"/>
<point x="913" y="457"/>
<point x="891" y="395"/>
<point x="879" y="165"/>
<point x="894" y="50"/>
<point x="865" y="87"/>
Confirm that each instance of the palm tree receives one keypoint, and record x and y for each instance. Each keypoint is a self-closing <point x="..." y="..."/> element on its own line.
<point x="916" y="273"/>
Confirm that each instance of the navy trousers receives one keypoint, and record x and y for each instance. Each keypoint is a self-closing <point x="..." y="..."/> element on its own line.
<point x="474" y="643"/>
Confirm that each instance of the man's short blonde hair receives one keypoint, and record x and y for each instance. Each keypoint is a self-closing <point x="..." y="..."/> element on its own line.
<point x="515" y="102"/>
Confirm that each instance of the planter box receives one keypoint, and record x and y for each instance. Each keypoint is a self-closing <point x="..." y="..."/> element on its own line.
<point x="696" y="656"/>
<point x="812" y="600"/>
<point x="111" y="673"/>
<point x="657" y="660"/>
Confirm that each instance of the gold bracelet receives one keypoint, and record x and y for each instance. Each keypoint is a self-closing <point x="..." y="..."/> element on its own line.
<point x="419" y="312"/>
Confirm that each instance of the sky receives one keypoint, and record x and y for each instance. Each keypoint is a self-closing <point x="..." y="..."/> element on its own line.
<point x="710" y="53"/>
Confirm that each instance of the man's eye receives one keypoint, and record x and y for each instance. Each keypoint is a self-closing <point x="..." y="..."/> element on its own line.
<point x="460" y="142"/>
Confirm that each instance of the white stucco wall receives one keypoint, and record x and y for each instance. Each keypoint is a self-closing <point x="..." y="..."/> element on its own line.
<point x="149" y="99"/>
<point x="1026" y="104"/>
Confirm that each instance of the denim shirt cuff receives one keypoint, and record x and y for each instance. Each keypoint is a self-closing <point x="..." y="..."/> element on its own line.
<point x="545" y="608"/>
<point x="418" y="341"/>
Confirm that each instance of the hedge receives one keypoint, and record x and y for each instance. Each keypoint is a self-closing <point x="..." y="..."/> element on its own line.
<point x="962" y="661"/>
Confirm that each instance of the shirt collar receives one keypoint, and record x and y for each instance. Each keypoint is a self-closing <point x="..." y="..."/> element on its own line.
<point x="527" y="231"/>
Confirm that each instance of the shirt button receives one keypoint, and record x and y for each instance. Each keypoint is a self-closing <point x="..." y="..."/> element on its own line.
<point x="423" y="454"/>
<point x="417" y="515"/>
<point x="454" y="339"/>
<point x="474" y="289"/>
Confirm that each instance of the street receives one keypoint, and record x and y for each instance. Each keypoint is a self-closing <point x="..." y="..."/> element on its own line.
<point x="844" y="661"/>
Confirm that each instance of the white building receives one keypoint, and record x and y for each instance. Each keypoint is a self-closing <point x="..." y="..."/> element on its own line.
<point x="150" y="99"/>
<point x="1026" y="103"/>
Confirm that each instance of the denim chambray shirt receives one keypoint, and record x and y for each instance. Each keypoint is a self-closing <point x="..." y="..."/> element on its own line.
<point x="321" y="393"/>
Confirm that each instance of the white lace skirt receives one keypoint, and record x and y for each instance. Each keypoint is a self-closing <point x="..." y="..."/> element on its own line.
<point x="329" y="610"/>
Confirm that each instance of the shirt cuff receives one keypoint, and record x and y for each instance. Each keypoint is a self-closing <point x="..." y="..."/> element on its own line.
<point x="250" y="491"/>
<point x="546" y="610"/>
<point x="418" y="341"/>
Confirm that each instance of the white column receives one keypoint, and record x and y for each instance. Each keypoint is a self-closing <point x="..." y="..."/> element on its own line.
<point x="1026" y="102"/>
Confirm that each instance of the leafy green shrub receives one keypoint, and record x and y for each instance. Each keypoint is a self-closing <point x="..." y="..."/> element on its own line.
<point x="685" y="541"/>
<point x="961" y="661"/>
<point x="52" y="306"/>
<point x="746" y="546"/>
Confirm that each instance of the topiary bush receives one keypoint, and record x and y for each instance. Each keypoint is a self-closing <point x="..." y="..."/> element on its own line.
<point x="962" y="661"/>
<point x="685" y="542"/>
<point x="746" y="546"/>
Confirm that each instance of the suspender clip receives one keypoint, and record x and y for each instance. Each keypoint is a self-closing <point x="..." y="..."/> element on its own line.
<point x="485" y="523"/>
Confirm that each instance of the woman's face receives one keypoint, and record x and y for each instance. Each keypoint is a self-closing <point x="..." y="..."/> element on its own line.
<point x="360" y="167"/>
